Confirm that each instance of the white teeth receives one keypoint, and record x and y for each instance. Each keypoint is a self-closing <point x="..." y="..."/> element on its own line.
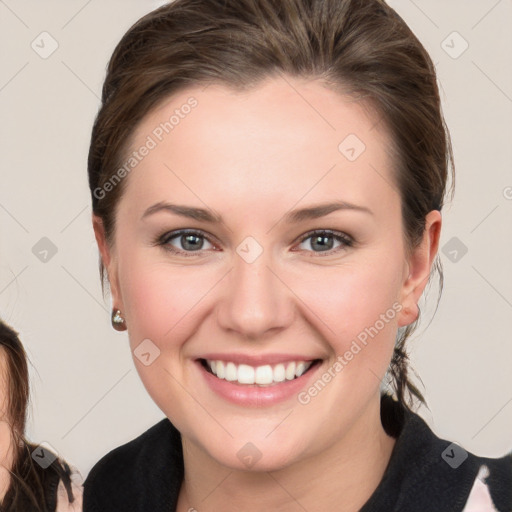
<point x="264" y="375"/>
<point x="220" y="369"/>
<point x="261" y="375"/>
<point x="301" y="368"/>
<point x="245" y="374"/>
<point x="290" y="371"/>
<point x="279" y="373"/>
<point x="231" y="372"/>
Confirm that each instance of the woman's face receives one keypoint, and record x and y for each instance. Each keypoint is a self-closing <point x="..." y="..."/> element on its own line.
<point x="258" y="290"/>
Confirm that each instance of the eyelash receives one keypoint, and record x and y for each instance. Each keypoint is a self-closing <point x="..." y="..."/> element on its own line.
<point x="163" y="240"/>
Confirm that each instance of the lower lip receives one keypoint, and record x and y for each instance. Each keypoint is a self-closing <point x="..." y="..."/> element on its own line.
<point x="251" y="395"/>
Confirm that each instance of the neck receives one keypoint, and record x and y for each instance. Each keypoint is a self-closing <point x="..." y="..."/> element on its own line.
<point x="341" y="477"/>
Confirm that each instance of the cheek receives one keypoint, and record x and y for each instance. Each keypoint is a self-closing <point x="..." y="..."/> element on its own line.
<point x="166" y="304"/>
<point x="157" y="299"/>
<point x="359" y="310"/>
<point x="161" y="304"/>
<point x="353" y="298"/>
<point x="6" y="445"/>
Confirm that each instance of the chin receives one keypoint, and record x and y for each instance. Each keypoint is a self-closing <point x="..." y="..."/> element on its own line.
<point x="252" y="459"/>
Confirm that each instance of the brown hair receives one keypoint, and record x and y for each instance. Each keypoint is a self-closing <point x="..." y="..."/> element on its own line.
<point x="361" y="48"/>
<point x="32" y="487"/>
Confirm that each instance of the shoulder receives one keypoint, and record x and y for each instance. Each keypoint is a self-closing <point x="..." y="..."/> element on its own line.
<point x="143" y="466"/>
<point x="461" y="478"/>
<point x="492" y="487"/>
<point x="124" y="459"/>
<point x="427" y="473"/>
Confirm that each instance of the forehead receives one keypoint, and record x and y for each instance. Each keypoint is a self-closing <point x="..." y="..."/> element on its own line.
<point x="285" y="139"/>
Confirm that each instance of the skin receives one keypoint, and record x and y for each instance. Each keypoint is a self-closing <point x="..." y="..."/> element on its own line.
<point x="6" y="439"/>
<point x="252" y="157"/>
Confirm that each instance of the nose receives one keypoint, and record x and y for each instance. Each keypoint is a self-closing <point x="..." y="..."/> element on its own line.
<point x="256" y="302"/>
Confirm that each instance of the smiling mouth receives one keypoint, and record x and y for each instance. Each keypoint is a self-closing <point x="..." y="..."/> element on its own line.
<point x="260" y="376"/>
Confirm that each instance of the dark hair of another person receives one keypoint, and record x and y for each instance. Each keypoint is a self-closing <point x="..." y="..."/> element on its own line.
<point x="361" y="49"/>
<point x="32" y="487"/>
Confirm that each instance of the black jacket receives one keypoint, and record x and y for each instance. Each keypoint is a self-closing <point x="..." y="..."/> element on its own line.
<point x="424" y="474"/>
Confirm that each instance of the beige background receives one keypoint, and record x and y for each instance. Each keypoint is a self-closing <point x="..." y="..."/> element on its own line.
<point x="86" y="394"/>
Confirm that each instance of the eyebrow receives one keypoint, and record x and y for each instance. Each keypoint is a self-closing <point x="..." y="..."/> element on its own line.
<point x="294" y="216"/>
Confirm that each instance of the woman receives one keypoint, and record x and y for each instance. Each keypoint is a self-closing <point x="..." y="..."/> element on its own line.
<point x="33" y="478"/>
<point x="267" y="179"/>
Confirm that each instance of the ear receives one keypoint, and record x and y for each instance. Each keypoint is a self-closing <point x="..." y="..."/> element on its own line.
<point x="109" y="261"/>
<point x="417" y="269"/>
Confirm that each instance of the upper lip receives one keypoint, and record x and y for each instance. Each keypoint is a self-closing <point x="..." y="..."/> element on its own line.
<point x="258" y="360"/>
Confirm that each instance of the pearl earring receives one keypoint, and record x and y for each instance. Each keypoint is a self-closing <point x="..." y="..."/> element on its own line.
<point x="118" y="322"/>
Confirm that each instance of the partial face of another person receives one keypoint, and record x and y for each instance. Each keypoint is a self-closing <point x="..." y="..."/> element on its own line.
<point x="264" y="287"/>
<point x="6" y="438"/>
